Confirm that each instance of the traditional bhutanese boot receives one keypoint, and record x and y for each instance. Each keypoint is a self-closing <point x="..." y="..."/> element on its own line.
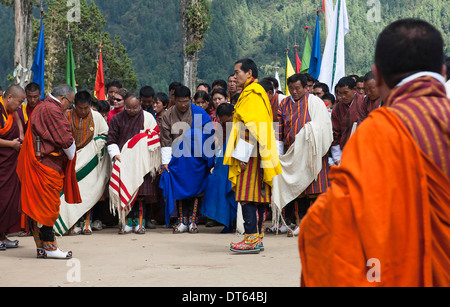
<point x="193" y="228"/>
<point x="128" y="226"/>
<point x="52" y="251"/>
<point x="181" y="226"/>
<point x="87" y="230"/>
<point x="139" y="223"/>
<point x="250" y="245"/>
<point x="260" y="243"/>
<point x="37" y="240"/>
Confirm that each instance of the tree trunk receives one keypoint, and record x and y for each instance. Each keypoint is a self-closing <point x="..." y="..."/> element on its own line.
<point x="23" y="47"/>
<point x="189" y="64"/>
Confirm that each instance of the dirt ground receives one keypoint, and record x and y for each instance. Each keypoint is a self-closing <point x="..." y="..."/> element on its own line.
<point x="157" y="258"/>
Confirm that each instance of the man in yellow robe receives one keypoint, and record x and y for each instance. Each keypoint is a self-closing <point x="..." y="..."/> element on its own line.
<point x="252" y="155"/>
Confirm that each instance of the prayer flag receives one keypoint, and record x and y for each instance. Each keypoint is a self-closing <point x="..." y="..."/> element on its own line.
<point x="39" y="62"/>
<point x="289" y="72"/>
<point x="333" y="62"/>
<point x="99" y="92"/>
<point x="277" y="77"/>
<point x="328" y="12"/>
<point x="298" y="63"/>
<point x="70" y="66"/>
<point x="316" y="57"/>
<point x="306" y="58"/>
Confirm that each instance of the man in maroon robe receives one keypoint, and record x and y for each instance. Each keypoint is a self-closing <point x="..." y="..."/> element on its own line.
<point x="10" y="145"/>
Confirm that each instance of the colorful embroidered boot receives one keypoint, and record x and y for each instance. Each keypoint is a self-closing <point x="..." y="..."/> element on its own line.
<point x="37" y="240"/>
<point x="181" y="226"/>
<point x="52" y="251"/>
<point x="260" y="243"/>
<point x="139" y="227"/>
<point x="193" y="228"/>
<point x="250" y="245"/>
<point x="87" y="230"/>
<point x="129" y="226"/>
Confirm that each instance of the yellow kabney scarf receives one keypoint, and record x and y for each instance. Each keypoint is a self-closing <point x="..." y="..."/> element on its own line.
<point x="253" y="109"/>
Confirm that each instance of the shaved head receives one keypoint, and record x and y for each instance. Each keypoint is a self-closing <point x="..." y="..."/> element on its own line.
<point x="14" y="90"/>
<point x="14" y="97"/>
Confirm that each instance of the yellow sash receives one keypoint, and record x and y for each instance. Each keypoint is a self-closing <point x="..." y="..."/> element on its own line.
<point x="254" y="110"/>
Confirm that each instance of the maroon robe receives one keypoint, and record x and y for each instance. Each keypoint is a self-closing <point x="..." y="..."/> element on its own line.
<point x="9" y="181"/>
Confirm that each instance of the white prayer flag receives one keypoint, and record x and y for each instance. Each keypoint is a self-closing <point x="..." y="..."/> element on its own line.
<point x="333" y="61"/>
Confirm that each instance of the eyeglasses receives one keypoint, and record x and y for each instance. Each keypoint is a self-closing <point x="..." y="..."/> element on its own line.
<point x="133" y="110"/>
<point x="70" y="102"/>
<point x="117" y="99"/>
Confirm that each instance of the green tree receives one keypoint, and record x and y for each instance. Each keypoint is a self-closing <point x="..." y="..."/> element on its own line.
<point x="86" y="36"/>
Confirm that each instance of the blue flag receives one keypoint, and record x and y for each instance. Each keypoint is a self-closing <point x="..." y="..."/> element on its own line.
<point x="38" y="63"/>
<point x="316" y="58"/>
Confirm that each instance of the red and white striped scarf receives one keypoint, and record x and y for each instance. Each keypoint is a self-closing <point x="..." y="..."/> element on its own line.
<point x="139" y="156"/>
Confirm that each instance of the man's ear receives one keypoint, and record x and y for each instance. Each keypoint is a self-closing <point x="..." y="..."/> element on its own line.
<point x="377" y="74"/>
<point x="383" y="88"/>
<point x="444" y="71"/>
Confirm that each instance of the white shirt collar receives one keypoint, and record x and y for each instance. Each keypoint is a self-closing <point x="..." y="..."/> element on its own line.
<point x="436" y="76"/>
<point x="54" y="98"/>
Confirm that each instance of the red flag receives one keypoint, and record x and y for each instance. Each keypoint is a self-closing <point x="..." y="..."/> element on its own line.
<point x="298" y="63"/>
<point x="99" y="92"/>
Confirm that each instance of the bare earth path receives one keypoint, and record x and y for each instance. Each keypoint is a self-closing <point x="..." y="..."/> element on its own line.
<point x="157" y="258"/>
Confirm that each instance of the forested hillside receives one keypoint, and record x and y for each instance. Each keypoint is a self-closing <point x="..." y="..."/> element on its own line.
<point x="259" y="29"/>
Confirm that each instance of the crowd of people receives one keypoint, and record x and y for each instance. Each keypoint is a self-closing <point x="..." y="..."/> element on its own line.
<point x="136" y="154"/>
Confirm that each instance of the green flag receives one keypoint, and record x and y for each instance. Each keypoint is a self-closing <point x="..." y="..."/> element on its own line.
<point x="306" y="56"/>
<point x="70" y="66"/>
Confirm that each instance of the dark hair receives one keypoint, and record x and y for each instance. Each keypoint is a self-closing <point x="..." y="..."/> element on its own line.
<point x="203" y="95"/>
<point x="113" y="83"/>
<point x="309" y="77"/>
<point x="147" y="91"/>
<point x="267" y="85"/>
<point x="248" y="64"/>
<point x="323" y="86"/>
<point x="234" y="99"/>
<point x="83" y="97"/>
<point x="369" y="76"/>
<point x="225" y="109"/>
<point x="221" y="83"/>
<point x="182" y="91"/>
<point x="174" y="85"/>
<point x="101" y="106"/>
<point x="355" y="77"/>
<point x="131" y="95"/>
<point x="447" y="63"/>
<point x="274" y="81"/>
<point x="360" y="80"/>
<point x="406" y="47"/>
<point x="220" y="91"/>
<point x="298" y="77"/>
<point x="32" y="87"/>
<point x="346" y="81"/>
<point x="205" y="85"/>
<point x="163" y="98"/>
<point x="330" y="97"/>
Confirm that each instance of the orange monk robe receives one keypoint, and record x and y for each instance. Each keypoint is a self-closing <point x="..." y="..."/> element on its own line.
<point x="42" y="185"/>
<point x="386" y="212"/>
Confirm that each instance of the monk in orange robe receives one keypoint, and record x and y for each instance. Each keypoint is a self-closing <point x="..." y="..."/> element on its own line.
<point x="385" y="221"/>
<point x="33" y="98"/>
